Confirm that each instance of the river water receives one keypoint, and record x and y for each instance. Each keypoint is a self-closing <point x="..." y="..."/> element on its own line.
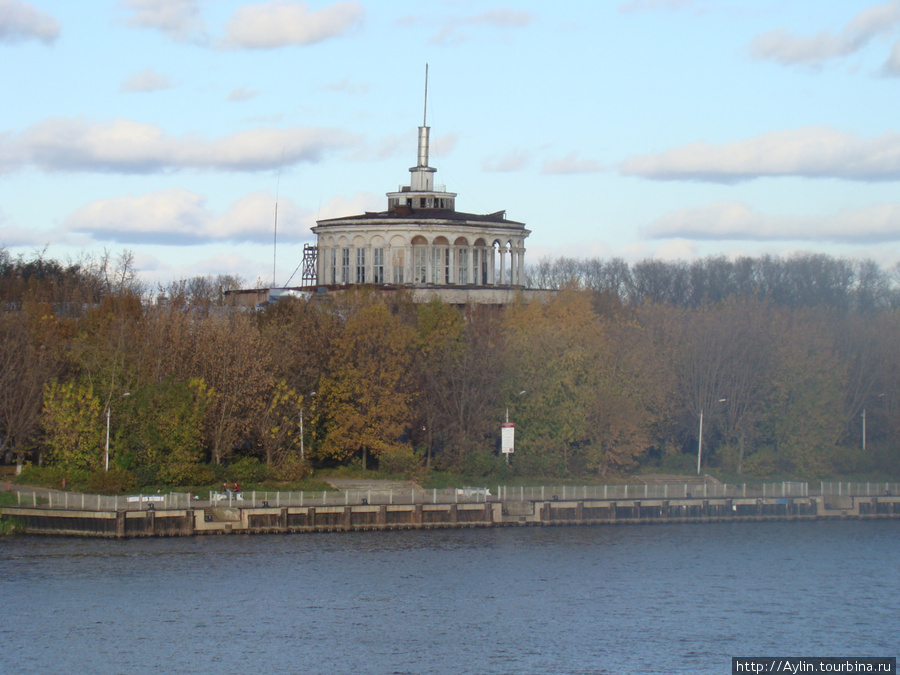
<point x="615" y="599"/>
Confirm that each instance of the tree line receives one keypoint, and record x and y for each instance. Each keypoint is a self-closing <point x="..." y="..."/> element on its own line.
<point x="803" y="280"/>
<point x="793" y="373"/>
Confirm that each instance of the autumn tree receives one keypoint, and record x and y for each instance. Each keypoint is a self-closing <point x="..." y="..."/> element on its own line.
<point x="29" y="358"/>
<point x="276" y="426"/>
<point x="230" y="361"/>
<point x="802" y="417"/>
<point x="459" y="367"/>
<point x="567" y="392"/>
<point x="365" y="398"/>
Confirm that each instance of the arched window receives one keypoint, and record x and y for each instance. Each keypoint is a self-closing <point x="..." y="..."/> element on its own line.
<point x="440" y="261"/>
<point x="480" y="263"/>
<point x="398" y="259"/>
<point x="462" y="260"/>
<point x="420" y="253"/>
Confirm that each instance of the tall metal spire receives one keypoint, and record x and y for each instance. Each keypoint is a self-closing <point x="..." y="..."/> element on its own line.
<point x="425" y="112"/>
<point x="423" y="130"/>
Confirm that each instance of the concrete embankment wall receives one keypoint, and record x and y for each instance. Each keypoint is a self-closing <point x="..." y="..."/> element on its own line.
<point x="228" y="520"/>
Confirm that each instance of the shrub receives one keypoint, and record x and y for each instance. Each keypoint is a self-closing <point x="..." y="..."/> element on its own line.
<point x="482" y="462"/>
<point x="249" y="470"/>
<point x="188" y="473"/>
<point x="112" y="482"/>
<point x="765" y="463"/>
<point x="53" y="477"/>
<point x="292" y="469"/>
<point x="398" y="461"/>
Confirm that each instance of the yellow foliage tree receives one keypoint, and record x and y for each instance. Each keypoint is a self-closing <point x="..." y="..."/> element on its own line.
<point x="364" y="399"/>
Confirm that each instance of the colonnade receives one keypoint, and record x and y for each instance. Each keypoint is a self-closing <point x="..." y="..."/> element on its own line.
<point x="422" y="263"/>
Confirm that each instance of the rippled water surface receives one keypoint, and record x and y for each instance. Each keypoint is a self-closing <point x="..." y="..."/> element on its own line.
<point x="640" y="599"/>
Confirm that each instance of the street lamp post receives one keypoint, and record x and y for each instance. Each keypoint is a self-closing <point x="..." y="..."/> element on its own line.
<point x="864" y="425"/>
<point x="302" y="448"/>
<point x="106" y="454"/>
<point x="700" y="437"/>
<point x="700" y="442"/>
<point x="864" y="429"/>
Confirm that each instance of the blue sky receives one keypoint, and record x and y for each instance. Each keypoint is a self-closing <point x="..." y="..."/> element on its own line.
<point x="671" y="129"/>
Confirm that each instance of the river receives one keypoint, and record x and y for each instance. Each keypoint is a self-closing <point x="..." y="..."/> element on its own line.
<point x="607" y="599"/>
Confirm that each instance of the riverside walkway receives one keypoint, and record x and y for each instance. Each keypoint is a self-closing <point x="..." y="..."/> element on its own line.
<point x="410" y="507"/>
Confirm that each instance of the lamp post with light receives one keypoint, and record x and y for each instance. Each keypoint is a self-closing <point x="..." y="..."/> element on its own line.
<point x="700" y="437"/>
<point x="302" y="448"/>
<point x="106" y="453"/>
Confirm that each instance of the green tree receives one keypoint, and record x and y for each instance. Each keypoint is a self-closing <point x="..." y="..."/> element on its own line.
<point x="277" y="424"/>
<point x="72" y="427"/>
<point x="159" y="431"/>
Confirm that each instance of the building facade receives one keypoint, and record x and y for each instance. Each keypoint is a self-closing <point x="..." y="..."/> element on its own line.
<point x="421" y="240"/>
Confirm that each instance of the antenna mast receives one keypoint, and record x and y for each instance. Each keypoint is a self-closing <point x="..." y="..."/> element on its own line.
<point x="425" y="112"/>
<point x="275" y="233"/>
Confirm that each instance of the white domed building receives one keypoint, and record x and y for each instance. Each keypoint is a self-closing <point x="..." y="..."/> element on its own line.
<point x="422" y="241"/>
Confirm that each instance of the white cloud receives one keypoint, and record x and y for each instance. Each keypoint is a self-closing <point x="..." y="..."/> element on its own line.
<point x="280" y="23"/>
<point x="361" y="202"/>
<point x="811" y="152"/>
<point x="21" y="21"/>
<point x="242" y="94"/>
<point x="891" y="67"/>
<point x="177" y="217"/>
<point x="728" y="220"/>
<point x="16" y="237"/>
<point x="405" y="144"/>
<point x="125" y="146"/>
<point x="345" y="86"/>
<point x="570" y="164"/>
<point x="452" y="27"/>
<point x="788" y="49"/>
<point x="441" y="146"/>
<point x="179" y="19"/>
<point x="146" y="81"/>
<point x="511" y="161"/>
<point x="653" y="5"/>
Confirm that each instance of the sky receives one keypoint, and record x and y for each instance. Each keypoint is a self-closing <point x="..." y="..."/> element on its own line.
<point x="666" y="129"/>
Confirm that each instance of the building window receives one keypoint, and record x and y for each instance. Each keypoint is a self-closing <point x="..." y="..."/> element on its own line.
<point x="462" y="257"/>
<point x="331" y="274"/>
<point x="419" y="264"/>
<point x="399" y="264"/>
<point x="360" y="265"/>
<point x="437" y="267"/>
<point x="378" y="265"/>
<point x="345" y="265"/>
<point x="422" y="202"/>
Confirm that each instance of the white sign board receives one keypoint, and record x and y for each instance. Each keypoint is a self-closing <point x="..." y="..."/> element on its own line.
<point x="507" y="438"/>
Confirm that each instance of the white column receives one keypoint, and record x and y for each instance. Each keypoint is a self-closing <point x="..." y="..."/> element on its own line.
<point x="472" y="278"/>
<point x="491" y="262"/>
<point x="320" y="264"/>
<point x="502" y="279"/>
<point x="369" y="275"/>
<point x="428" y="263"/>
<point x="408" y="265"/>
<point x="521" y="265"/>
